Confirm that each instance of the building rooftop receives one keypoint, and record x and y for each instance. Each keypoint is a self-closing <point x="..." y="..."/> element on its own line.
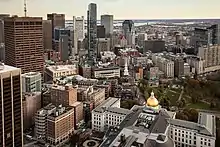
<point x="105" y="104"/>
<point x="61" y="87"/>
<point x="7" y="68"/>
<point x="60" y="110"/>
<point x="205" y="125"/>
<point x="68" y="79"/>
<point x="61" y="68"/>
<point x="30" y="74"/>
<point x="107" y="68"/>
<point x="118" y="110"/>
<point x="137" y="127"/>
<point x="76" y="104"/>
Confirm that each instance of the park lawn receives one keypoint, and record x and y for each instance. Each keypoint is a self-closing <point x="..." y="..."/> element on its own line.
<point x="173" y="97"/>
<point x="199" y="105"/>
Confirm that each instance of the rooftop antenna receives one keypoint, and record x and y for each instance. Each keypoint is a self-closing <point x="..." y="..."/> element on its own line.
<point x="25" y="8"/>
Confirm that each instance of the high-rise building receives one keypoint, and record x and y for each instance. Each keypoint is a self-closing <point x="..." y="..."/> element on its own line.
<point x="2" y="52"/>
<point x="100" y="32"/>
<point x="58" y="32"/>
<point x="128" y="31"/>
<point x="210" y="54"/>
<point x="214" y="36"/>
<point x="31" y="82"/>
<point x="24" y="43"/>
<point x="1" y="31"/>
<point x="57" y="21"/>
<point x="47" y="34"/>
<point x="179" y="67"/>
<point x="107" y="22"/>
<point x="79" y="27"/>
<point x="199" y="38"/>
<point x="2" y="16"/>
<point x="64" y="47"/>
<point x="103" y="44"/>
<point x="11" y="124"/>
<point x="155" y="46"/>
<point x="92" y="32"/>
<point x="78" y="32"/>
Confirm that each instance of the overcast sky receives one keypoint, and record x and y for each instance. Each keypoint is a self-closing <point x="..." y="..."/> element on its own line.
<point x="121" y="9"/>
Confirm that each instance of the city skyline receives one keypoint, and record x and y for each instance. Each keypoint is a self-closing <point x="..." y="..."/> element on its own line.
<point x="144" y="9"/>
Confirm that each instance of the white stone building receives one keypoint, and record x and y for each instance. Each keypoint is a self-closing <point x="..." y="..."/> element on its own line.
<point x="107" y="114"/>
<point x="55" y="71"/>
<point x="201" y="134"/>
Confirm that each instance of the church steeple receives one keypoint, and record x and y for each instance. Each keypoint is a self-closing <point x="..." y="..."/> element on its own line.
<point x="126" y="73"/>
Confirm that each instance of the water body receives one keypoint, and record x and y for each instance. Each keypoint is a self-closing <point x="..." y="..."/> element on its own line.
<point x="139" y="22"/>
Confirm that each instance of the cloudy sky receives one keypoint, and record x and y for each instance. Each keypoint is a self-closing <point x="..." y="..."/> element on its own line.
<point x="121" y="9"/>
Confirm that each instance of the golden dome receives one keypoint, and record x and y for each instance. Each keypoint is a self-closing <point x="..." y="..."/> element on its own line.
<point x="152" y="101"/>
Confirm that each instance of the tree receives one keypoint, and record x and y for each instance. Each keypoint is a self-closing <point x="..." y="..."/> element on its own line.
<point x="179" y="104"/>
<point x="181" y="115"/>
<point x="128" y="104"/>
<point x="183" y="100"/>
<point x="193" y="115"/>
<point x="165" y="102"/>
<point x="188" y="114"/>
<point x="74" y="81"/>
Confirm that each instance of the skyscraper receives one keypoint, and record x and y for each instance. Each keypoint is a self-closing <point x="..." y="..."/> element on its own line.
<point x="107" y="22"/>
<point x="79" y="27"/>
<point x="128" y="31"/>
<point x="78" y="32"/>
<point x="58" y="21"/>
<point x="64" y="47"/>
<point x="2" y="16"/>
<point x="47" y="34"/>
<point x="24" y="43"/>
<point x="92" y="32"/>
<point x="214" y="37"/>
<point x="11" y="125"/>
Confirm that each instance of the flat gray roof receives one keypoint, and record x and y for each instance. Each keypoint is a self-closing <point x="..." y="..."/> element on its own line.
<point x="105" y="104"/>
<point x="159" y="125"/>
<point x="7" y="68"/>
<point x="205" y="125"/>
<point x="118" y="110"/>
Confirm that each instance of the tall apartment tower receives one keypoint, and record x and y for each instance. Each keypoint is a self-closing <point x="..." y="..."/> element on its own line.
<point x="47" y="34"/>
<point x="57" y="21"/>
<point x="24" y="43"/>
<point x="11" y="125"/>
<point x="107" y="22"/>
<point x="92" y="33"/>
